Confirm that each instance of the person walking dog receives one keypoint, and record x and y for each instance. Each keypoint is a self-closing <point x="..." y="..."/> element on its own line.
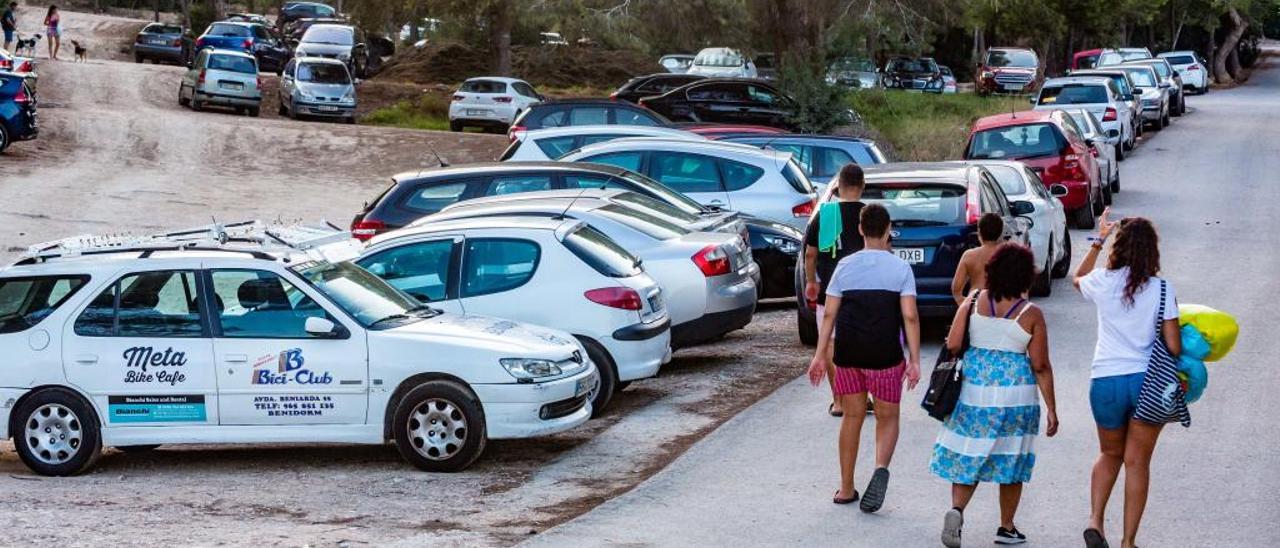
<point x="833" y="235"/>
<point x="989" y="437"/>
<point x="1137" y="336"/>
<point x="870" y="302"/>
<point x="9" y="24"/>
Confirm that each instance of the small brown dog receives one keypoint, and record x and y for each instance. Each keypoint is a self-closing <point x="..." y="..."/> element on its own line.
<point x="82" y="53"/>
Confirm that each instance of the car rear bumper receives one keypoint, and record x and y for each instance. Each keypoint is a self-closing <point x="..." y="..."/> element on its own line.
<point x="482" y="116"/>
<point x="711" y="325"/>
<point x="229" y="100"/>
<point x="640" y="358"/>
<point x="517" y="410"/>
<point x="150" y="51"/>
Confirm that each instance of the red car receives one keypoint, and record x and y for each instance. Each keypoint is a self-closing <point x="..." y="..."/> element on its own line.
<point x="1008" y="70"/>
<point x="1053" y="146"/>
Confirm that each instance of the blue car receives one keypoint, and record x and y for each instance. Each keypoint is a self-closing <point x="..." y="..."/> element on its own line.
<point x="935" y="209"/>
<point x="820" y="156"/>
<point x="255" y="39"/>
<point x="17" y="109"/>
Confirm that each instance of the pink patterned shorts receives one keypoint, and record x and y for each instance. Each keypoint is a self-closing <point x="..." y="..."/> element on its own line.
<point x="884" y="384"/>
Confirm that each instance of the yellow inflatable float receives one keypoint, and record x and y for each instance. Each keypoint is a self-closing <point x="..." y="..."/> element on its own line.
<point x="1218" y="328"/>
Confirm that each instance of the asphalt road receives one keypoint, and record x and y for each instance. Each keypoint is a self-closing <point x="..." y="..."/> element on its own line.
<point x="1209" y="182"/>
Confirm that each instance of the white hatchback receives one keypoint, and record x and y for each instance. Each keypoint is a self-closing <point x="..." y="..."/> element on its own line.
<point x="182" y="340"/>
<point x="491" y="103"/>
<point x="722" y="63"/>
<point x="551" y="143"/>
<point x="546" y="271"/>
<point x="761" y="182"/>
<point x="1193" y="69"/>
<point x="1096" y="94"/>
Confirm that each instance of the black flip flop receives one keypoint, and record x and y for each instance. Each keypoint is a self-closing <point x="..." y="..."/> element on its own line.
<point x="850" y="500"/>
<point x="831" y="410"/>
<point x="1093" y="539"/>
<point x="874" y="497"/>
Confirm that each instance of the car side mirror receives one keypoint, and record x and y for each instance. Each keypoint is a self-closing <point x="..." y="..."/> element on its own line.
<point x="1058" y="191"/>
<point x="1022" y="207"/>
<point x="1090" y="141"/>
<point x="1165" y="85"/>
<point x="323" y="328"/>
<point x="1023" y="224"/>
<point x="1031" y="100"/>
<point x="1113" y="133"/>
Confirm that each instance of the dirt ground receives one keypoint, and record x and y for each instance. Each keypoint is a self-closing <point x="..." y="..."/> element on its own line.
<point x="116" y="153"/>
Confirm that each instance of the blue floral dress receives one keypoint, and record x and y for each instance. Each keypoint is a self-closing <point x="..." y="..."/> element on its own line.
<point x="990" y="435"/>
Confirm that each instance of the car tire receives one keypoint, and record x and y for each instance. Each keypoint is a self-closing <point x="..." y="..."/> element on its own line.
<point x="1120" y="152"/>
<point x="808" y="330"/>
<point x="132" y="449"/>
<point x="457" y="437"/>
<point x="1164" y="120"/>
<point x="349" y="120"/>
<point x="1106" y="191"/>
<point x="1063" y="266"/>
<point x="1042" y="286"/>
<point x="455" y="126"/>
<point x="1084" y="216"/>
<point x="255" y="111"/>
<point x="62" y="413"/>
<point x="182" y="101"/>
<point x="4" y="138"/>
<point x="608" y="370"/>
<point x="280" y="111"/>
<point x="196" y="104"/>
<point x="1115" y="183"/>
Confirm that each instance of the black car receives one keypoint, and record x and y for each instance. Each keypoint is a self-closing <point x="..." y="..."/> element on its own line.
<point x="270" y="48"/>
<point x="292" y="11"/>
<point x="912" y="73"/>
<point x="417" y="194"/>
<point x="726" y="101"/>
<point x="585" y="112"/>
<point x="651" y="85"/>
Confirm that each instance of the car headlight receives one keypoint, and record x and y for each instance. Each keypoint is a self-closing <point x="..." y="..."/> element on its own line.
<point x="302" y="94"/>
<point x="524" y="369"/>
<point x="349" y="96"/>
<point x="987" y="75"/>
<point x="783" y="244"/>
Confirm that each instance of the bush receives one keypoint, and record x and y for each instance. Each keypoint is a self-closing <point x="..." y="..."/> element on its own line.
<point x="821" y="106"/>
<point x="923" y="126"/>
<point x="426" y="112"/>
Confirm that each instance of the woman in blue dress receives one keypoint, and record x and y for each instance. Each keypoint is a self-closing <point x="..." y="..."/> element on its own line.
<point x="989" y="436"/>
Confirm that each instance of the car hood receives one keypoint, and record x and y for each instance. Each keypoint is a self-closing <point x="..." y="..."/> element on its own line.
<point x="912" y="75"/>
<point x="499" y="336"/>
<point x="1012" y="70"/>
<point x="324" y="90"/>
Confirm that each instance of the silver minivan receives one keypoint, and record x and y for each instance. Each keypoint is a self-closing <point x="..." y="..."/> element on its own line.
<point x="314" y="86"/>
<point x="224" y="78"/>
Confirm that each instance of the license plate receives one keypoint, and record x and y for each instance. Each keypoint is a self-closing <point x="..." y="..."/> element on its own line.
<point x="327" y="108"/>
<point x="912" y="255"/>
<point x="584" y="385"/>
<point x="231" y="85"/>
<point x="655" y="303"/>
<point x="477" y="112"/>
<point x="1013" y="87"/>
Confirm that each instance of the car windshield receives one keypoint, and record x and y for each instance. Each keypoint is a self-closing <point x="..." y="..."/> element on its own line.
<point x="853" y="65"/>
<point x="1011" y="58"/>
<point x="650" y="225"/>
<point x="1073" y="94"/>
<point x="162" y="29"/>
<point x="1142" y="77"/>
<point x="1131" y="55"/>
<point x="483" y="86"/>
<point x="602" y="253"/>
<point x="366" y="297"/>
<point x="233" y="63"/>
<point x="656" y="208"/>
<point x="323" y="73"/>
<point x="328" y="35"/>
<point x="1180" y="59"/>
<point x="718" y="58"/>
<point x="1010" y="179"/>
<point x="913" y="65"/>
<point x="1015" y="142"/>
<point x="919" y="204"/>
<point x="222" y="29"/>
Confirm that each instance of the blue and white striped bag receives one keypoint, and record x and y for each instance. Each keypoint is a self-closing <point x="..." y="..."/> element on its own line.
<point x="1161" y="398"/>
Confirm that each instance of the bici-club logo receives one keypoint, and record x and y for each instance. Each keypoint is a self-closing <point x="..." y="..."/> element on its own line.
<point x="290" y="369"/>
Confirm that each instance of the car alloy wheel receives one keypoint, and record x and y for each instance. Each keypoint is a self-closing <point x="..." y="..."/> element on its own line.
<point x="59" y="433"/>
<point x="54" y="434"/>
<point x="437" y="429"/>
<point x="439" y="426"/>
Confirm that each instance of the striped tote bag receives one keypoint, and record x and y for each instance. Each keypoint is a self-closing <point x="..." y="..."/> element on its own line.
<point x="1161" y="398"/>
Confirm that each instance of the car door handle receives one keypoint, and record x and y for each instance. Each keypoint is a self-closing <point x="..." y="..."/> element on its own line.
<point x="86" y="359"/>
<point x="235" y="358"/>
<point x="717" y="203"/>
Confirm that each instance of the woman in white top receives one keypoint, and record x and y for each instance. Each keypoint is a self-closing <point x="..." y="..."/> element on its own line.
<point x="1128" y="296"/>
<point x="989" y="436"/>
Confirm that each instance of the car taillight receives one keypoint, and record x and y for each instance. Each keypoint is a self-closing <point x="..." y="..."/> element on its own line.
<point x="176" y="42"/>
<point x="138" y="39"/>
<point x="804" y="209"/>
<point x="21" y="97"/>
<point x="624" y="298"/>
<point x="459" y="97"/>
<point x="248" y="43"/>
<point x="502" y="99"/>
<point x="364" y="230"/>
<point x="972" y="206"/>
<point x="712" y="261"/>
<point x="25" y="66"/>
<point x="200" y="79"/>
<point x="613" y="96"/>
<point x="199" y="42"/>
<point x="1193" y="67"/>
<point x="515" y="131"/>
<point x="1109" y="115"/>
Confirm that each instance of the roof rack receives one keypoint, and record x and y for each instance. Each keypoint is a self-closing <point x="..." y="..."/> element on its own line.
<point x="256" y="238"/>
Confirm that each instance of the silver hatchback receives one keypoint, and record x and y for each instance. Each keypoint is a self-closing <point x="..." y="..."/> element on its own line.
<point x="222" y="78"/>
<point x="313" y="86"/>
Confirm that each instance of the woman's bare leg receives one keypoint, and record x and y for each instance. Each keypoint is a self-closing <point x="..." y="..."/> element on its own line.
<point x="1111" y="443"/>
<point x="1141" y="442"/>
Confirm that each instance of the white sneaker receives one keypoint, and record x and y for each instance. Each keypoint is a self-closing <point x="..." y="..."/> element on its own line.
<point x="951" y="524"/>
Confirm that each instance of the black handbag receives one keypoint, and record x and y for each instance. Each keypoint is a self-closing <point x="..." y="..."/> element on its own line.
<point x="948" y="375"/>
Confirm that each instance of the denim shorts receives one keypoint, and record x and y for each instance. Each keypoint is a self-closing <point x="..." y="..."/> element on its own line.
<point x="1114" y="399"/>
<point x="8" y="36"/>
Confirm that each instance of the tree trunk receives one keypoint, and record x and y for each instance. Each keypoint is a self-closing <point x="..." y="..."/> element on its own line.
<point x="501" y="20"/>
<point x="1228" y="48"/>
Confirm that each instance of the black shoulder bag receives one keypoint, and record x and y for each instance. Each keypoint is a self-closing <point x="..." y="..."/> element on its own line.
<point x="948" y="374"/>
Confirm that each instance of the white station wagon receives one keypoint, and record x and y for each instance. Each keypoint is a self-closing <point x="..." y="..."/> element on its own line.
<point x="161" y="340"/>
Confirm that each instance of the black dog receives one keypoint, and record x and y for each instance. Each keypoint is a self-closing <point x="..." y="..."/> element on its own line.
<point x="81" y="52"/>
<point x="26" y="44"/>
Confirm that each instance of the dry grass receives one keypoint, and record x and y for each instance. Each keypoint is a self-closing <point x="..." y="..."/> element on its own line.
<point x="927" y="127"/>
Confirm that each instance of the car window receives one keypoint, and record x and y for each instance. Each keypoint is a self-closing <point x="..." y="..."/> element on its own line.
<point x="233" y="63"/>
<point x="1142" y="77"/>
<point x="150" y="304"/>
<point x="802" y="154"/>
<point x="762" y="95"/>
<point x="1009" y="179"/>
<point x="829" y="161"/>
<point x="629" y="117"/>
<point x="323" y="73"/>
<point x="738" y="175"/>
<point x="555" y="147"/>
<point x="592" y="181"/>
<point x="919" y="203"/>
<point x="338" y="36"/>
<point x="431" y="198"/>
<point x="593" y="139"/>
<point x="1011" y="58"/>
<point x="601" y="253"/>
<point x="223" y="29"/>
<point x="1180" y="59"/>
<point x="1081" y="120"/>
<point x="516" y="184"/>
<point x="723" y="92"/>
<point x="1161" y="69"/>
<point x="420" y="269"/>
<point x="650" y="225"/>
<point x="685" y="172"/>
<point x="260" y="304"/>
<point x="1073" y="95"/>
<point x="998" y="202"/>
<point x="1071" y="130"/>
<point x="261" y="33"/>
<point x="525" y="90"/>
<point x="484" y="86"/>
<point x="1012" y="142"/>
<point x="288" y="67"/>
<point x="588" y="116"/>
<point x="657" y="208"/>
<point x="796" y="177"/>
<point x="719" y="58"/>
<point x="24" y="302"/>
<point x="496" y="265"/>
<point x="625" y="160"/>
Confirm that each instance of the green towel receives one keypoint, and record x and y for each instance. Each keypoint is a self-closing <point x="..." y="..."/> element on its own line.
<point x="829" y="225"/>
